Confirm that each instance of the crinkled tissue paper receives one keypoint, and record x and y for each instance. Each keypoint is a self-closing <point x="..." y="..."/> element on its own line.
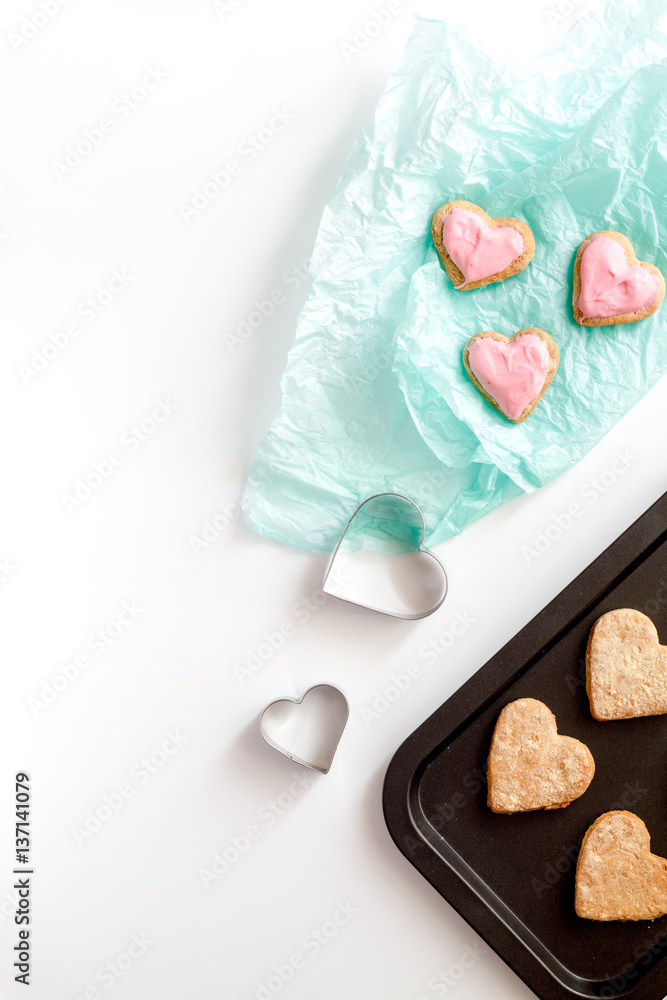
<point x="375" y="396"/>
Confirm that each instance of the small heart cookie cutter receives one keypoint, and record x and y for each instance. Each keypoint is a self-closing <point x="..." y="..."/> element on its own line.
<point x="308" y="739"/>
<point x="389" y="587"/>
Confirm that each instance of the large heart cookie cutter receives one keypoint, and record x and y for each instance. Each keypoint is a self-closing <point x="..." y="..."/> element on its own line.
<point x="380" y="562"/>
<point x="307" y="729"/>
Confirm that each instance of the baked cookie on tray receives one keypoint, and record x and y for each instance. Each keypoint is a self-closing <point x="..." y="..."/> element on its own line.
<point x="617" y="877"/>
<point x="530" y="765"/>
<point x="626" y="667"/>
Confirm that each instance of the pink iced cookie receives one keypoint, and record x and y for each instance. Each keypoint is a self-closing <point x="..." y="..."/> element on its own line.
<point x="610" y="285"/>
<point x="512" y="373"/>
<point x="477" y="250"/>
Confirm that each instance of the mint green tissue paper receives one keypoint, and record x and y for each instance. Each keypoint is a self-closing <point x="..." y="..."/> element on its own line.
<point x="375" y="397"/>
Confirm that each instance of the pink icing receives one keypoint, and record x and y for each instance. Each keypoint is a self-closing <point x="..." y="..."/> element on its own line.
<point x="512" y="374"/>
<point x="609" y="285"/>
<point x="478" y="249"/>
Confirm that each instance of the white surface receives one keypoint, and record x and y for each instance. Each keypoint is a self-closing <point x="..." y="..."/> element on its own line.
<point x="405" y="584"/>
<point x="171" y="667"/>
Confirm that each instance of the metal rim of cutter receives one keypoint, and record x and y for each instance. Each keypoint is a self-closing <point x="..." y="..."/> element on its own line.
<point x="298" y="701"/>
<point x="392" y="614"/>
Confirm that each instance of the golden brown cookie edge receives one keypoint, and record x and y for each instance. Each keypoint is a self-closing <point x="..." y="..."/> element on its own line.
<point x="619" y="318"/>
<point x="491" y="768"/>
<point x="454" y="274"/>
<point x="554" y="360"/>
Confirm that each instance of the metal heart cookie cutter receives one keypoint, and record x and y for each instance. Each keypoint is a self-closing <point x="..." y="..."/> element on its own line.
<point x="307" y="729"/>
<point x="380" y="562"/>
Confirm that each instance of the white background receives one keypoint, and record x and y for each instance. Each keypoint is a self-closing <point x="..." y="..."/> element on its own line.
<point x="68" y="572"/>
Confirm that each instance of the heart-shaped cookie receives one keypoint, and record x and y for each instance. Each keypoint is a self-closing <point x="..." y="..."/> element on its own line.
<point x="610" y="285"/>
<point x="617" y="876"/>
<point x="512" y="373"/>
<point x="380" y="563"/>
<point x="307" y="729"/>
<point x="530" y="765"/>
<point x="477" y="250"/>
<point x="626" y="667"/>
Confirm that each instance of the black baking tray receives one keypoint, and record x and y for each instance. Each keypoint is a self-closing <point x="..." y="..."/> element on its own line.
<point x="512" y="877"/>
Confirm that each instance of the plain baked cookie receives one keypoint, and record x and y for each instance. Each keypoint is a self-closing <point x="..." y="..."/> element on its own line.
<point x="617" y="876"/>
<point x="610" y="285"/>
<point x="530" y="765"/>
<point x="477" y="250"/>
<point x="512" y="373"/>
<point x="626" y="667"/>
